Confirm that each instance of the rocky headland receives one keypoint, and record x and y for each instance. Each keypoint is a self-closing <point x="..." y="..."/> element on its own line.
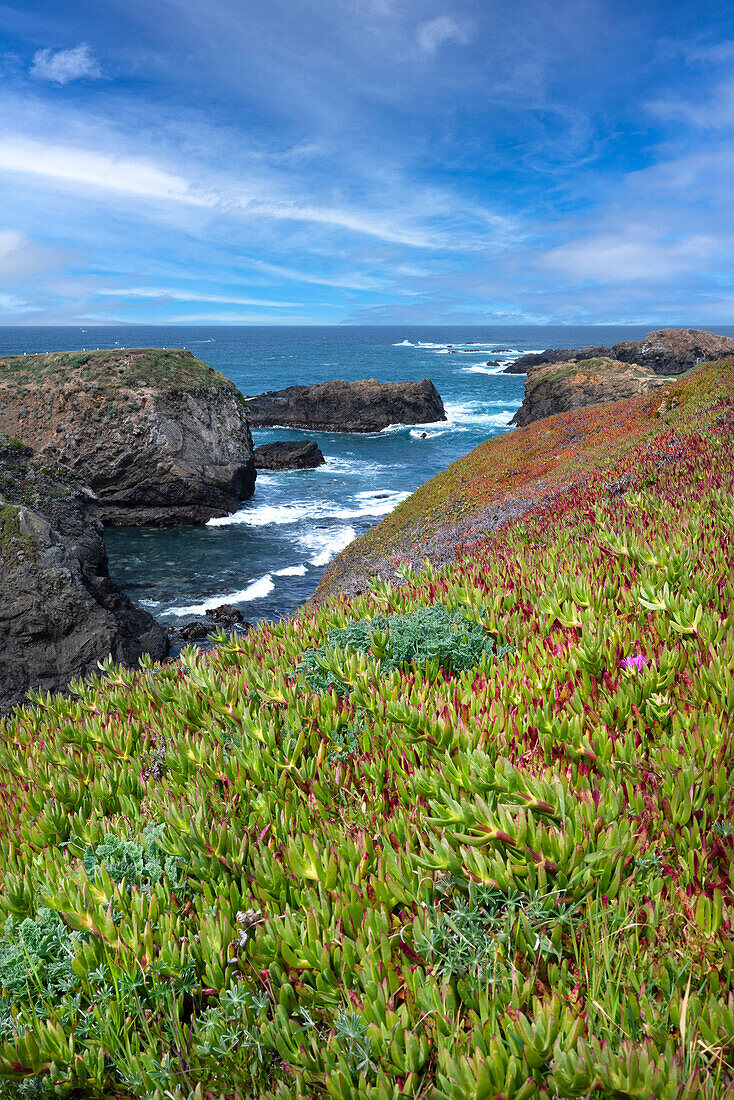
<point x="339" y="406"/>
<point x="59" y="611"/>
<point x="160" y="437"/>
<point x="665" y="351"/>
<point x="289" y="455"/>
<point x="558" y="387"/>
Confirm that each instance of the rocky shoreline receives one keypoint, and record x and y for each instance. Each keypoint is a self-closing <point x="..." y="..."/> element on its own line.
<point x="666" y="351"/>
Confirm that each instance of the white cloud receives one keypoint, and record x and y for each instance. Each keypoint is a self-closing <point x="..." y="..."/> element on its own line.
<point x="628" y="256"/>
<point x="62" y="66"/>
<point x="144" y="180"/>
<point x="436" y="32"/>
<point x="714" y="113"/>
<point x="11" y="303"/>
<point x="173" y="295"/>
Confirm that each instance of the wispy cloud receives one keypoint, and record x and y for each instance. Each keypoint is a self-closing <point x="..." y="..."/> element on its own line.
<point x="167" y="294"/>
<point x="63" y="66"/>
<point x="434" y="34"/>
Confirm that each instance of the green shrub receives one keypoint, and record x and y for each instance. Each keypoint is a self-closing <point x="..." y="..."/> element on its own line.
<point x="432" y="634"/>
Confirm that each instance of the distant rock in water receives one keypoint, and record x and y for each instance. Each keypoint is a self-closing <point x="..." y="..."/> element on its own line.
<point x="59" y="611"/>
<point x="298" y="455"/>
<point x="338" y="406"/>
<point x="160" y="437"/>
<point x="559" y="387"/>
<point x="666" y="351"/>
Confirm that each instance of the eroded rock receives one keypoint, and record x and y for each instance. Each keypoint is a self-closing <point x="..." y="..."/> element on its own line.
<point x="160" y="437"/>
<point x="339" y="406"/>
<point x="59" y="611"/>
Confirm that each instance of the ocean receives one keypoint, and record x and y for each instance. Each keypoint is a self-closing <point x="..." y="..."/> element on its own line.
<point x="267" y="558"/>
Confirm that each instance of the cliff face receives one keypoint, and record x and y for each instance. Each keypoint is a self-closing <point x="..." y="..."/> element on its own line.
<point x="159" y="436"/>
<point x="558" y="387"/>
<point x="533" y="466"/>
<point x="59" y="611"/>
<point x="338" y="406"/>
<point x="665" y="351"/>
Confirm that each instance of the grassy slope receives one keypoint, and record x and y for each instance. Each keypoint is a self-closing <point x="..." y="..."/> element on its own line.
<point x="130" y="368"/>
<point x="527" y="466"/>
<point x="513" y="882"/>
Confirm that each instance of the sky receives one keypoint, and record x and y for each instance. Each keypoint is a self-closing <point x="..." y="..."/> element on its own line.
<point x="367" y="162"/>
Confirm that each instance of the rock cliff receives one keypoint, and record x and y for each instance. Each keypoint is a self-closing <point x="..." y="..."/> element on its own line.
<point x="558" y="387"/>
<point x="159" y="436"/>
<point x="59" y="611"/>
<point x="338" y="406"/>
<point x="665" y="351"/>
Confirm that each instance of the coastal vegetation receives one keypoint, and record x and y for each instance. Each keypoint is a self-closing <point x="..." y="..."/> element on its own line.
<point x="173" y="369"/>
<point x="466" y="836"/>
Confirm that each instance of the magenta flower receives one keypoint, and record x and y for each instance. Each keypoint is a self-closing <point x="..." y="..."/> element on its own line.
<point x="637" y="662"/>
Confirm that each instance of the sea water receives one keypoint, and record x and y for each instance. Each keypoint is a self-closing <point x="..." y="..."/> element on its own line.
<point x="268" y="556"/>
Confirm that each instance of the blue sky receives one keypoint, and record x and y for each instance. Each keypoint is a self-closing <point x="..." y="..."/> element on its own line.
<point x="366" y="161"/>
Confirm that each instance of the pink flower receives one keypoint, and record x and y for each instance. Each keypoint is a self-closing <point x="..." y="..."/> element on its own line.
<point x="638" y="662"/>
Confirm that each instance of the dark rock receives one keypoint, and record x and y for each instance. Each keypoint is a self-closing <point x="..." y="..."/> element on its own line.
<point x="59" y="611"/>
<point x="160" y="437"/>
<point x="552" y="355"/>
<point x="558" y="387"/>
<point x="338" y="406"/>
<point x="665" y="351"/>
<point x="299" y="455"/>
<point x="226" y="615"/>
<point x="191" y="632"/>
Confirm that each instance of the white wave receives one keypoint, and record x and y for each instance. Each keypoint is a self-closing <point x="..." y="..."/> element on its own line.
<point x="472" y="414"/>
<point x="377" y="503"/>
<point x="149" y="603"/>
<point x="477" y="368"/>
<point x="338" y="465"/>
<point x="326" y="544"/>
<point x="292" y="571"/>
<point x="404" y="344"/>
<point x="263" y="586"/>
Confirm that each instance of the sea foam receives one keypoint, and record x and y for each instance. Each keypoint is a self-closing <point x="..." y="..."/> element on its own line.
<point x="256" y="590"/>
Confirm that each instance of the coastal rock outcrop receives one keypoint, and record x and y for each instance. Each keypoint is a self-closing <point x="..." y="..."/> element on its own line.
<point x="559" y="387"/>
<point x="59" y="611"/>
<point x="666" y="351"/>
<point x="339" y="406"/>
<point x="291" y="455"/>
<point x="160" y="437"/>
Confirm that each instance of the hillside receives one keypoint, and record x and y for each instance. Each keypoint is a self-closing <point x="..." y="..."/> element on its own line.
<point x="504" y="477"/>
<point x="467" y="838"/>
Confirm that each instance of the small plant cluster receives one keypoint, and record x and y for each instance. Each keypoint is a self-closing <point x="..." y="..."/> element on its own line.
<point x="430" y="637"/>
<point x="455" y="878"/>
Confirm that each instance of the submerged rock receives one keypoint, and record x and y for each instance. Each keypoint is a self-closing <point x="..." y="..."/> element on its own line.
<point x="299" y="455"/>
<point x="338" y="406"/>
<point x="160" y="437"/>
<point x="666" y="351"/>
<point x="558" y="387"/>
<point x="59" y="611"/>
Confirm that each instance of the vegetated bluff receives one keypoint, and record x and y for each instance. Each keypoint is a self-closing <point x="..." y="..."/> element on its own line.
<point x="339" y="406"/>
<point x="468" y="837"/>
<point x="558" y="387"/>
<point x="59" y="611"/>
<point x="160" y="437"/>
<point x="665" y="351"/>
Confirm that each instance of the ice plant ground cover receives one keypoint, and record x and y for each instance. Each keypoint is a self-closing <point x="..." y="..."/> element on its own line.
<point x="508" y="879"/>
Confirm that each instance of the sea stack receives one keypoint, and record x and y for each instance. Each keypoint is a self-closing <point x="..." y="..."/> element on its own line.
<point x="339" y="406"/>
<point x="159" y="436"/>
